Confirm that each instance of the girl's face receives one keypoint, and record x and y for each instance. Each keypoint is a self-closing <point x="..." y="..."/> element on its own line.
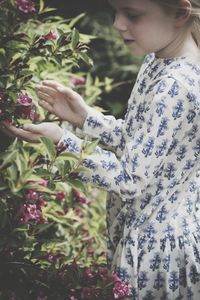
<point x="144" y="26"/>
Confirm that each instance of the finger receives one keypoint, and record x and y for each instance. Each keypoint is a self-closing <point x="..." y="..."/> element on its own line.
<point x="51" y="83"/>
<point x="22" y="134"/>
<point x="46" y="90"/>
<point x="47" y="106"/>
<point x="67" y="92"/>
<point x="45" y="97"/>
<point x="71" y="94"/>
<point x="6" y="132"/>
<point x="32" y="128"/>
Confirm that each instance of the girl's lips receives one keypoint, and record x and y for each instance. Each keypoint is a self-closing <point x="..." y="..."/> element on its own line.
<point x="128" y="41"/>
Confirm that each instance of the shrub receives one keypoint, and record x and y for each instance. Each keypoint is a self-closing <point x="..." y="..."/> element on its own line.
<point x="51" y="239"/>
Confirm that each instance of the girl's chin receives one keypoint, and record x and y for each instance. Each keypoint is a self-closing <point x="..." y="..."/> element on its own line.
<point x="136" y="51"/>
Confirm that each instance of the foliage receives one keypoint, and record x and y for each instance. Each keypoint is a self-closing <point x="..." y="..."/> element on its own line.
<point x="30" y="52"/>
<point x="51" y="234"/>
<point x="46" y="236"/>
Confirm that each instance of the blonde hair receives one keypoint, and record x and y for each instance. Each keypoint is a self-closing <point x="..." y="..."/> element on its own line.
<point x="195" y="15"/>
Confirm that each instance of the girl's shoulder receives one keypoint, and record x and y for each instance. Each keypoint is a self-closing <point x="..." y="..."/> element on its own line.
<point x="182" y="69"/>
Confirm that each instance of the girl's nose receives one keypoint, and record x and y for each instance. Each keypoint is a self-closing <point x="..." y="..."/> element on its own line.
<point x="119" y="23"/>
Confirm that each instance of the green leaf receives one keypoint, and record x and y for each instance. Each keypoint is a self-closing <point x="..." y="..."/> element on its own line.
<point x="83" y="170"/>
<point x="8" y="157"/>
<point x="41" y="6"/>
<point x="49" y="146"/>
<point x="76" y="19"/>
<point x="2" y="188"/>
<point x="75" y="38"/>
<point x="64" y="169"/>
<point x="90" y="147"/>
<point x="43" y="172"/>
<point x="86" y="58"/>
<point x="2" y="52"/>
<point x="36" y="187"/>
<point x="21" y="164"/>
<point x="75" y="183"/>
<point x="58" y="220"/>
<point x="67" y="156"/>
<point x="51" y="185"/>
<point x="43" y="227"/>
<point x="47" y="10"/>
<point x="12" y="173"/>
<point x="26" y="176"/>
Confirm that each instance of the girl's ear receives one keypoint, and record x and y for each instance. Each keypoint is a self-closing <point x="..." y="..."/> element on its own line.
<point x="183" y="13"/>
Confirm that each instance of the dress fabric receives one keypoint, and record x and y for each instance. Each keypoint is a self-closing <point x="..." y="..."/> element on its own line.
<point x="149" y="164"/>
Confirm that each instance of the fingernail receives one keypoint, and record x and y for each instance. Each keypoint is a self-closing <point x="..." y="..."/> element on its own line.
<point x="60" y="89"/>
<point x="25" y="126"/>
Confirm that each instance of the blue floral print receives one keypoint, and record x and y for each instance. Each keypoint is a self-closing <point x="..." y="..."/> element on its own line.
<point x="149" y="164"/>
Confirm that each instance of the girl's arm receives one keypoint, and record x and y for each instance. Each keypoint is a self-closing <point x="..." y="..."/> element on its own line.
<point x="156" y="147"/>
<point x="149" y="150"/>
<point x="70" y="106"/>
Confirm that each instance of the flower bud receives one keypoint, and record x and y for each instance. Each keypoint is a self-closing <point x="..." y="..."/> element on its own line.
<point x="25" y="6"/>
<point x="50" y="36"/>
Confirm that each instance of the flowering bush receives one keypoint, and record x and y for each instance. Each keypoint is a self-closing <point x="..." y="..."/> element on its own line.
<point x="24" y="55"/>
<point x="51" y="237"/>
<point x="46" y="236"/>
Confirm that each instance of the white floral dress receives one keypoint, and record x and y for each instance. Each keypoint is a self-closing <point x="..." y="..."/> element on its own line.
<point x="149" y="164"/>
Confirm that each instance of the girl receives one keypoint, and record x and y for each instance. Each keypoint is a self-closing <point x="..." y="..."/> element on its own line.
<point x="151" y="170"/>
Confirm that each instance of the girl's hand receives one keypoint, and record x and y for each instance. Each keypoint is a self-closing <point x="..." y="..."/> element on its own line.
<point x="63" y="102"/>
<point x="32" y="133"/>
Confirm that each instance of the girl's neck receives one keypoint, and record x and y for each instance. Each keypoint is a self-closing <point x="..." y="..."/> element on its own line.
<point x="179" y="47"/>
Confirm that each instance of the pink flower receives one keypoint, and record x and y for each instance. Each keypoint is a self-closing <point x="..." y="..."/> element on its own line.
<point x="89" y="275"/>
<point x="42" y="183"/>
<point x="60" y="196"/>
<point x="79" y="197"/>
<point x="41" y="202"/>
<point x="32" y="195"/>
<point x="41" y="297"/>
<point x="121" y="288"/>
<point x="25" y="6"/>
<point x="30" y="212"/>
<point x="73" y="295"/>
<point x="79" y="212"/>
<point x="33" y="115"/>
<point x="24" y="100"/>
<point x="77" y="80"/>
<point x="53" y="258"/>
<point x="27" y="112"/>
<point x="50" y="36"/>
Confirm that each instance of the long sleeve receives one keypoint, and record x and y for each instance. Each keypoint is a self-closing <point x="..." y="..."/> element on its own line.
<point x="107" y="129"/>
<point x="145" y="153"/>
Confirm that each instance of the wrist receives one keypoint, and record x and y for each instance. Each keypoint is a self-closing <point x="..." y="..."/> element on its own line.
<point x="82" y="117"/>
<point x="58" y="135"/>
